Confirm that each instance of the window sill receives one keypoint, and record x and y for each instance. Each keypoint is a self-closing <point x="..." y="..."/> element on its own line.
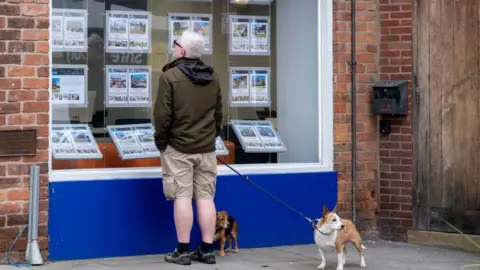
<point x="155" y="172"/>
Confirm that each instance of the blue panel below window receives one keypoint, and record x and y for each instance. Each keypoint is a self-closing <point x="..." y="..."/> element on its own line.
<point x="110" y="218"/>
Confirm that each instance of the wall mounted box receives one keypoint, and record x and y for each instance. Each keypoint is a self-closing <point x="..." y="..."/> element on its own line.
<point x="390" y="97"/>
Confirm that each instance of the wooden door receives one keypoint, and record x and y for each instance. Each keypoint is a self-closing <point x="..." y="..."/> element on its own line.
<point x="447" y="114"/>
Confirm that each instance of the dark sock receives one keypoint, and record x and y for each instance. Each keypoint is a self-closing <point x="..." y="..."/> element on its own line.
<point x="206" y="247"/>
<point x="183" y="247"/>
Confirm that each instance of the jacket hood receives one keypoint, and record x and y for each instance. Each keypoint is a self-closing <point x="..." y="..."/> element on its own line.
<point x="194" y="69"/>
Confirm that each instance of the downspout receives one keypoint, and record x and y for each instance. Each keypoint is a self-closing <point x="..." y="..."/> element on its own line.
<point x="353" y="65"/>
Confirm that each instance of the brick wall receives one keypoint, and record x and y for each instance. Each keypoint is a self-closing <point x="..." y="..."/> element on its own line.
<point x="384" y="41"/>
<point x="395" y="216"/>
<point x="23" y="105"/>
<point x="367" y="68"/>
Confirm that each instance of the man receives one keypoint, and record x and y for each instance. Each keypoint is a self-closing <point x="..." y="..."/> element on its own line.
<point x="188" y="116"/>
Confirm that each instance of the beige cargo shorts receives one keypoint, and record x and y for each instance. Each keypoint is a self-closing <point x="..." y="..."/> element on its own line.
<point x="192" y="176"/>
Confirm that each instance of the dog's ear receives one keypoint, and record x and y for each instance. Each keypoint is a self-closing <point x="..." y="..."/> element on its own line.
<point x="335" y="209"/>
<point x="226" y="213"/>
<point x="325" y="210"/>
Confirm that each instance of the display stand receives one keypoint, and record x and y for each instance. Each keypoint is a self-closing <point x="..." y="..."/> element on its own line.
<point x="220" y="148"/>
<point x="258" y="136"/>
<point x="73" y="141"/>
<point x="134" y="141"/>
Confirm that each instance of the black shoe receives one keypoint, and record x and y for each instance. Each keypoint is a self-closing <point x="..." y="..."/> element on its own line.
<point x="177" y="258"/>
<point x="206" y="258"/>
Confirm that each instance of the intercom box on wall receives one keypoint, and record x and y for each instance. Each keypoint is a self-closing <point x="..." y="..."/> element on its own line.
<point x="390" y="97"/>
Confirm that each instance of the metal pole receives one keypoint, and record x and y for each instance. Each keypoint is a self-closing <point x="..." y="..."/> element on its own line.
<point x="35" y="257"/>
<point x="353" y="64"/>
<point x="30" y="213"/>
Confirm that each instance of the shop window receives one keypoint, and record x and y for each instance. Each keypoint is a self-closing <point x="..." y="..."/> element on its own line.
<point x="107" y="57"/>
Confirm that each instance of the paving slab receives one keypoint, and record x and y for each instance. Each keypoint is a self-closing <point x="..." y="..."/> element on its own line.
<point x="379" y="255"/>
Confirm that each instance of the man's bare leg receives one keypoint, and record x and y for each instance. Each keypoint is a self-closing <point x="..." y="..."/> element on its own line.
<point x="183" y="215"/>
<point x="207" y="218"/>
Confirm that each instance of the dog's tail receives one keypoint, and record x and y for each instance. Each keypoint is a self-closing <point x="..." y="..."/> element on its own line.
<point x="363" y="247"/>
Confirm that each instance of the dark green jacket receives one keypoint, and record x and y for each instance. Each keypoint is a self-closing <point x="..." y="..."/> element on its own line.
<point x="188" y="109"/>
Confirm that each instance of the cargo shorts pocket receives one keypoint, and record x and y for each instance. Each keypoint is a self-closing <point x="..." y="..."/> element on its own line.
<point x="170" y="187"/>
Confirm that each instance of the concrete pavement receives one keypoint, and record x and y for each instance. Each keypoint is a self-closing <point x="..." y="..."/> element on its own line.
<point x="379" y="256"/>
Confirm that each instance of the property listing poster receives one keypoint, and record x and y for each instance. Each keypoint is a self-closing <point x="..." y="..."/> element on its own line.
<point x="128" y="31"/>
<point x="249" y="87"/>
<point x="248" y="136"/>
<point x="240" y="34"/>
<point x="200" y="23"/>
<point x="268" y="135"/>
<point x="258" y="136"/>
<point x="240" y="90"/>
<point x="249" y="35"/>
<point x="69" y="85"/>
<point x="74" y="142"/>
<point x="128" y="86"/>
<point x="260" y="35"/>
<point x="259" y="87"/>
<point x="134" y="141"/>
<point x="69" y="30"/>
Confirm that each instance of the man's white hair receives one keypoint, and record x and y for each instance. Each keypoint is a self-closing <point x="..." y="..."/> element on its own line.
<point x="193" y="44"/>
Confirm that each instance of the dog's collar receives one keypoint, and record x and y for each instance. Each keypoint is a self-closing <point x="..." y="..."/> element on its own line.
<point x="318" y="230"/>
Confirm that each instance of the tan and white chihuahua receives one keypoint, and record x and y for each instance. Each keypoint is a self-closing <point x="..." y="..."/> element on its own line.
<point x="333" y="233"/>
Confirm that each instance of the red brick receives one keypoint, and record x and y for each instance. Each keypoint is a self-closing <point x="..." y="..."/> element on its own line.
<point x="19" y="194"/>
<point x="34" y="10"/>
<point x="40" y="106"/>
<point x="21" y="119"/>
<point x="43" y="95"/>
<point x="42" y="23"/>
<point x="9" y="10"/>
<point x="35" y="83"/>
<point x="21" y="95"/>
<point x="36" y="59"/>
<point x="18" y="22"/>
<point x="10" y="34"/>
<point x="35" y="35"/>
<point x="42" y="47"/>
<point x="43" y="72"/>
<point x="8" y="108"/>
<point x="20" y="71"/>
<point x="43" y="119"/>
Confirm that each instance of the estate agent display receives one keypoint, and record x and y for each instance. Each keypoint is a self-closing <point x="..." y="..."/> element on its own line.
<point x="69" y="30"/>
<point x="130" y="85"/>
<point x="134" y="141"/>
<point x="69" y="85"/>
<point x="258" y="136"/>
<point x="249" y="35"/>
<point x="249" y="87"/>
<point x="74" y="141"/>
<point x="128" y="31"/>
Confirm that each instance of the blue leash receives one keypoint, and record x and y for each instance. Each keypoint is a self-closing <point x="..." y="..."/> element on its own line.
<point x="312" y="221"/>
<point x="18" y="265"/>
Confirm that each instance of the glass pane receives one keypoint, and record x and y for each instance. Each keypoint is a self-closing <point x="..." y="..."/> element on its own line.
<point x="267" y="69"/>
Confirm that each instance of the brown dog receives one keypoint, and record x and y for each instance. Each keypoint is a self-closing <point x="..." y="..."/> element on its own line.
<point x="226" y="228"/>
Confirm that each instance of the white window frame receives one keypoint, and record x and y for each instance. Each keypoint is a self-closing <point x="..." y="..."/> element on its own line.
<point x="325" y="127"/>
